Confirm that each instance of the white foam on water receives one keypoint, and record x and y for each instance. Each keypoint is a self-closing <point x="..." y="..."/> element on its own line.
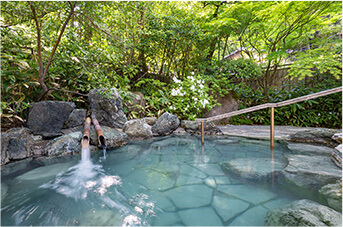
<point x="88" y="178"/>
<point x="82" y="178"/>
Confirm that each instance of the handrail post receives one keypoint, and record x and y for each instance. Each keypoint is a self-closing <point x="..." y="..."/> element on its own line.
<point x="272" y="128"/>
<point x="202" y="133"/>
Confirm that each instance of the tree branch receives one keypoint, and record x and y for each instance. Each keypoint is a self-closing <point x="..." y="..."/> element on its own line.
<point x="72" y="6"/>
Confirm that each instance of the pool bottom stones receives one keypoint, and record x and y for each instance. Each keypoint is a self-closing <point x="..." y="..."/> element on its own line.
<point x="170" y="181"/>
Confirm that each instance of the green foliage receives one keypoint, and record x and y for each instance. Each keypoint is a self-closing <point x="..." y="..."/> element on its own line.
<point x="320" y="112"/>
<point x="145" y="46"/>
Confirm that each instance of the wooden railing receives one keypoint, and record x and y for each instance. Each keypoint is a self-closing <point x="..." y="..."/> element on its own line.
<point x="267" y="105"/>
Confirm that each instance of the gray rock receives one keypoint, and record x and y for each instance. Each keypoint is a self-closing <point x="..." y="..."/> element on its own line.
<point x="228" y="103"/>
<point x="333" y="195"/>
<point x="303" y="213"/>
<point x="318" y="136"/>
<point x="195" y="127"/>
<point x="190" y="125"/>
<point x="311" y="172"/>
<point x="337" y="137"/>
<point x="16" y="144"/>
<point x="166" y="124"/>
<point x="336" y="156"/>
<point x="47" y="118"/>
<point x="253" y="169"/>
<point x="309" y="149"/>
<point x="137" y="129"/>
<point x="114" y="138"/>
<point x="67" y="144"/>
<point x="107" y="105"/>
<point x="76" y="118"/>
<point x="150" y="120"/>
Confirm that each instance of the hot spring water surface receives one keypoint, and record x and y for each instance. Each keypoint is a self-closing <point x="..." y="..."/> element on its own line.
<point x="167" y="181"/>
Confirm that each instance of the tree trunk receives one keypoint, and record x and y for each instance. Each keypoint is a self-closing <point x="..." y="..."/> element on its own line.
<point x="43" y="71"/>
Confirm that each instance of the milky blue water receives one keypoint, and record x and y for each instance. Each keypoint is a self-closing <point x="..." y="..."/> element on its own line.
<point x="163" y="182"/>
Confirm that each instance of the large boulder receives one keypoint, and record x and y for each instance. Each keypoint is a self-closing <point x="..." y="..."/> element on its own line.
<point x="107" y="105"/>
<point x="228" y="103"/>
<point x="47" y="118"/>
<point x="253" y="169"/>
<point x="303" y="213"/>
<point x="195" y="127"/>
<point x="165" y="124"/>
<point x="16" y="144"/>
<point x="310" y="172"/>
<point x="76" y="118"/>
<point x="317" y="136"/>
<point x="137" y="129"/>
<point x="114" y="138"/>
<point x="67" y="144"/>
<point x="333" y="195"/>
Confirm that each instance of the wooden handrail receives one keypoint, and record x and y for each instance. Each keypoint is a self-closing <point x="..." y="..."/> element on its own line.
<point x="263" y="106"/>
<point x="269" y="105"/>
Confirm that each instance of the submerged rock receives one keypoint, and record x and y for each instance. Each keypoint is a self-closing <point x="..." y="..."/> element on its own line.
<point x="16" y="144"/>
<point x="311" y="172"/>
<point x="67" y="144"/>
<point x="318" y="136"/>
<point x="228" y="208"/>
<point x="47" y="118"/>
<point x="333" y="195"/>
<point x="137" y="129"/>
<point x="204" y="216"/>
<point x="303" y="213"/>
<point x="165" y="124"/>
<point x="193" y="196"/>
<point x="252" y="217"/>
<point x="253" y="169"/>
<point x="107" y="105"/>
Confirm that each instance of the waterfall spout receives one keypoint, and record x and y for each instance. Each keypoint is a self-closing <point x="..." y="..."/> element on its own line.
<point x="86" y="133"/>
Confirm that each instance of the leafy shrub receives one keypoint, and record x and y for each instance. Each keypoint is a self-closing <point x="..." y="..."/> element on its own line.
<point x="324" y="111"/>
